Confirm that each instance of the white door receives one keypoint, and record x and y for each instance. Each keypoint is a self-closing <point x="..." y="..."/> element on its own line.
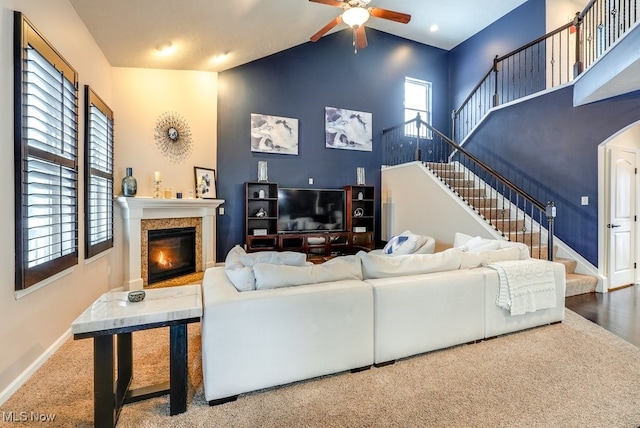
<point x="621" y="226"/>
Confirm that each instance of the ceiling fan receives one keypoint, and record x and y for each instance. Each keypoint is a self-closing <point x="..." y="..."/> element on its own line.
<point x="356" y="13"/>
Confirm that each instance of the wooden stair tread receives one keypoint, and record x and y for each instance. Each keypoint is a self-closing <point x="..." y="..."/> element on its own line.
<point x="569" y="264"/>
<point x="488" y="209"/>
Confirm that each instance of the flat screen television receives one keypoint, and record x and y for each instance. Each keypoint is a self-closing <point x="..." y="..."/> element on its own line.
<point x="310" y="210"/>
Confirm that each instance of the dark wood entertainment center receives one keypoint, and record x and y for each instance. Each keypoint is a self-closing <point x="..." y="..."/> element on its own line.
<point x="261" y="224"/>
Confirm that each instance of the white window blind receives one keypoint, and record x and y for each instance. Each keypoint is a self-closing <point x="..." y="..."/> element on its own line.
<point x="46" y="160"/>
<point x="98" y="175"/>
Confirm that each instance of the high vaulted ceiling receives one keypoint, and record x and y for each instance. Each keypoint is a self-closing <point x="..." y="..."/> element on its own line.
<point x="129" y="32"/>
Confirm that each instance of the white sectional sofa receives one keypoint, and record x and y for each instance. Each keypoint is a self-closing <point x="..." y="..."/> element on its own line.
<point x="392" y="308"/>
<point x="258" y="339"/>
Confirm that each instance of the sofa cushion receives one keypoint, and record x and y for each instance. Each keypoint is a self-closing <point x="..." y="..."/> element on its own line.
<point x="428" y="247"/>
<point x="290" y="258"/>
<point x="276" y="276"/>
<point x="239" y="264"/>
<point x="241" y="277"/>
<point x="380" y="266"/>
<point x="473" y="259"/>
<point x="522" y="248"/>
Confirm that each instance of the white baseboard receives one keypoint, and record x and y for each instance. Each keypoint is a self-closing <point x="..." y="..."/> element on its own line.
<point x="29" y="371"/>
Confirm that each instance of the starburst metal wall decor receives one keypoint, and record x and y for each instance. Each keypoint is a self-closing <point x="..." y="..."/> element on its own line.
<point x="173" y="136"/>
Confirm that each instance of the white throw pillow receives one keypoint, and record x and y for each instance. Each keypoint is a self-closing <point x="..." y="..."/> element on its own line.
<point x="377" y="266"/>
<point x="460" y="239"/>
<point x="473" y="259"/>
<point x="481" y="244"/>
<point x="404" y="243"/>
<point x="523" y="248"/>
<point x="476" y="243"/>
<point x="275" y="276"/>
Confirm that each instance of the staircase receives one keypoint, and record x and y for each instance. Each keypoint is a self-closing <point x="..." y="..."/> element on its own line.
<point x="490" y="210"/>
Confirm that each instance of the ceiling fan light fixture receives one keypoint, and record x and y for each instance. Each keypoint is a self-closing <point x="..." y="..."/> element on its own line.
<point x="355" y="17"/>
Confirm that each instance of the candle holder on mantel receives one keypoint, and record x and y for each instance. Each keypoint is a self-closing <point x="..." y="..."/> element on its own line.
<point x="200" y="188"/>
<point x="156" y="188"/>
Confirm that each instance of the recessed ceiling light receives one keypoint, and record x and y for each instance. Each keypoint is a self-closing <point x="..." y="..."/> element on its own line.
<point x="220" y="57"/>
<point x="433" y="28"/>
<point x="165" y="48"/>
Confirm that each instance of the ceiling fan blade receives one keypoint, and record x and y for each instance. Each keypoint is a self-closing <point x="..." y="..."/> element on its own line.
<point x="326" y="28"/>
<point x="329" y="2"/>
<point x="361" y="38"/>
<point x="402" y="18"/>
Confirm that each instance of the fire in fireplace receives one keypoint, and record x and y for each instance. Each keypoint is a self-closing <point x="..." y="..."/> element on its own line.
<point x="171" y="253"/>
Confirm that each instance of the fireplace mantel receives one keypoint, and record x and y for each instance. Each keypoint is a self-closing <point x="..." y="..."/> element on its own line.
<point x="134" y="210"/>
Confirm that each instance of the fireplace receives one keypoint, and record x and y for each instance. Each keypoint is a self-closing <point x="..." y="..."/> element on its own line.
<point x="141" y="214"/>
<point x="171" y="253"/>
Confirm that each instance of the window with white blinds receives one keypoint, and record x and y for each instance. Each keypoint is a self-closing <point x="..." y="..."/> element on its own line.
<point x="98" y="174"/>
<point x="417" y="100"/>
<point x="46" y="145"/>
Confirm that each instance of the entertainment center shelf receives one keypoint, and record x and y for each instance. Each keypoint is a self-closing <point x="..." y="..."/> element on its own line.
<point x="356" y="225"/>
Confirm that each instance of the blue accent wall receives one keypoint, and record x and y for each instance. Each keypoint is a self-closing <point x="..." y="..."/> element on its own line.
<point x="550" y="149"/>
<point x="299" y="83"/>
<point x="472" y="59"/>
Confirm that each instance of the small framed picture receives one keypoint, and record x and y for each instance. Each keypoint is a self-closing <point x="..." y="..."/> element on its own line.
<point x="205" y="182"/>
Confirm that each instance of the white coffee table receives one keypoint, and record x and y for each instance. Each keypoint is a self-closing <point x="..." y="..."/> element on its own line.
<point x="113" y="315"/>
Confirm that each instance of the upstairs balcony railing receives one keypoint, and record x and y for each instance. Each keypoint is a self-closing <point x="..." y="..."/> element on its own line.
<point x="509" y="209"/>
<point x="547" y="62"/>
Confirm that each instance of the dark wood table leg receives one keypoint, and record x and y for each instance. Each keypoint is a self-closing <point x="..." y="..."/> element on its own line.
<point x="125" y="369"/>
<point x="104" y="406"/>
<point x="178" y="369"/>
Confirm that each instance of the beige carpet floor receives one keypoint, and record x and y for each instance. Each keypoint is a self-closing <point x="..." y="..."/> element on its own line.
<point x="573" y="374"/>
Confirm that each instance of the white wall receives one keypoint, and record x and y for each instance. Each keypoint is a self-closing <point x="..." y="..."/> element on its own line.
<point x="413" y="199"/>
<point x="559" y="12"/>
<point x="33" y="325"/>
<point x="140" y="97"/>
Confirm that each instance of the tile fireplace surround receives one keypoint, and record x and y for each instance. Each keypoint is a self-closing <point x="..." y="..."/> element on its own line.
<point x="134" y="210"/>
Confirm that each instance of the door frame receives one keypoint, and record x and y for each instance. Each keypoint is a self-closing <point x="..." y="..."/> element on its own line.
<point x="604" y="180"/>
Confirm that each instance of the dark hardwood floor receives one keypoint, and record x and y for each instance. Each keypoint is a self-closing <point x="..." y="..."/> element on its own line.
<point x="618" y="311"/>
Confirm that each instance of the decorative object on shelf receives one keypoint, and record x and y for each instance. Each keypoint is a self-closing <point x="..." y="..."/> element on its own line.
<point x="136" y="296"/>
<point x="360" y="196"/>
<point x="359" y="229"/>
<point x="261" y="194"/>
<point x="348" y="129"/>
<point x="259" y="232"/>
<point x="157" y="179"/>
<point x="173" y="136"/>
<point x="261" y="213"/>
<point x="178" y="195"/>
<point x="358" y="212"/>
<point x="274" y="134"/>
<point x="360" y="176"/>
<point x="262" y="172"/>
<point x="129" y="183"/>
<point x="205" y="182"/>
<point x="168" y="194"/>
